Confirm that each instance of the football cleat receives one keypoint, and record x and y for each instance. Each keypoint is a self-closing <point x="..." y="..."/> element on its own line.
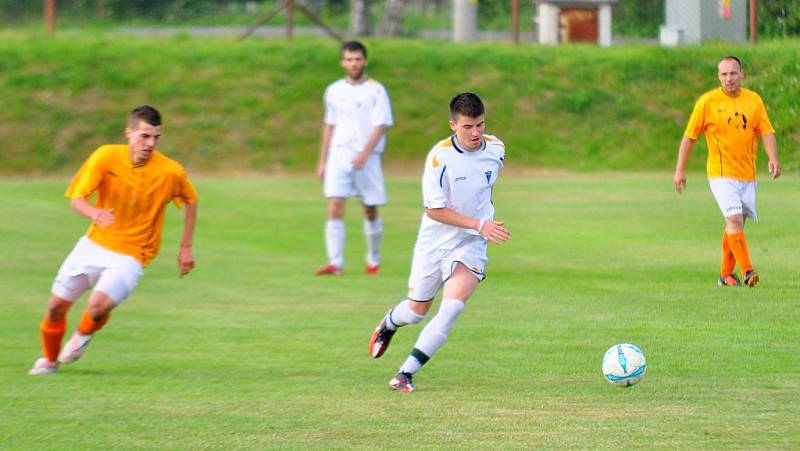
<point x="381" y="338"/>
<point x="75" y="347"/>
<point x="728" y="280"/>
<point x="43" y="366"/>
<point x="751" y="278"/>
<point x="372" y="270"/>
<point x="402" y="382"/>
<point x="329" y="270"/>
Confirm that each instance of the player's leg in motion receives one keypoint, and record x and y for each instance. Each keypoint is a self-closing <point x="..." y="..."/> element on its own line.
<point x="456" y="292"/>
<point x="93" y="319"/>
<point x="373" y="231"/>
<point x="726" y="269"/>
<point x="738" y="243"/>
<point x="406" y="312"/>
<point x="334" y="237"/>
<point x="51" y="332"/>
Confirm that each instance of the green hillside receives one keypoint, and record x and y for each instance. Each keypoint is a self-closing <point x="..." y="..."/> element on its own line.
<point x="256" y="105"/>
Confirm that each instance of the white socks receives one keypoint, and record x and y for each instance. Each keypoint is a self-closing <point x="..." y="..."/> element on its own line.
<point x="334" y="241"/>
<point x="373" y="231"/>
<point x="433" y="335"/>
<point x="402" y="315"/>
<point x="335" y="235"/>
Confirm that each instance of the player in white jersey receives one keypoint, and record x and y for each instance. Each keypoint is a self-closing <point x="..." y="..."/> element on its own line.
<point x="460" y="173"/>
<point x="357" y="113"/>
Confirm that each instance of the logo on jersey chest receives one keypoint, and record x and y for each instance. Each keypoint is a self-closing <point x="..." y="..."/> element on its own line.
<point x="488" y="175"/>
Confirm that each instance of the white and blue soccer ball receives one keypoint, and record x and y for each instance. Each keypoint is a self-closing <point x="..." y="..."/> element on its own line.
<point x="624" y="365"/>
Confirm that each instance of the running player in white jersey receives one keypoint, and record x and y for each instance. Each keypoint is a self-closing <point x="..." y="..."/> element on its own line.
<point x="460" y="173"/>
<point x="357" y="113"/>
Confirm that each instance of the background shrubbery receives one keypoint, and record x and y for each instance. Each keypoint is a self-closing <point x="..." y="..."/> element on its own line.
<point x="641" y="18"/>
<point x="256" y="104"/>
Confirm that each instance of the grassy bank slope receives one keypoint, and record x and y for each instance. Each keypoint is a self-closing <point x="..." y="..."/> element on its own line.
<point x="256" y="104"/>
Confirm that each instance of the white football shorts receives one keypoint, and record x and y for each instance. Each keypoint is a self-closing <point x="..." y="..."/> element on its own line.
<point x="342" y="180"/>
<point x="430" y="268"/>
<point x="91" y="265"/>
<point x="735" y="197"/>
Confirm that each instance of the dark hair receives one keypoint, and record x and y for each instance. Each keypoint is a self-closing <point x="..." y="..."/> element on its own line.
<point x="144" y="113"/>
<point x="354" y="46"/>
<point x="731" y="57"/>
<point x="466" y="104"/>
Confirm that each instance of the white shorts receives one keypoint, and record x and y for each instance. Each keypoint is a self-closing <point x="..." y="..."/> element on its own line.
<point x="90" y="264"/>
<point x="735" y="197"/>
<point x="342" y="180"/>
<point x="431" y="268"/>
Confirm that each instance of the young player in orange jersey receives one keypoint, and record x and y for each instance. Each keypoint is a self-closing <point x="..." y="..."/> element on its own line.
<point x="134" y="183"/>
<point x="732" y="118"/>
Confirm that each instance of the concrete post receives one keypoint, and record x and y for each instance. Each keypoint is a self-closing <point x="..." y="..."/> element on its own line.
<point x="604" y="25"/>
<point x="547" y="20"/>
<point x="465" y="20"/>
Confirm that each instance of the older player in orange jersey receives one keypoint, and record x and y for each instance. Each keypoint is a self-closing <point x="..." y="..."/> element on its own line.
<point x="134" y="183"/>
<point x="732" y="118"/>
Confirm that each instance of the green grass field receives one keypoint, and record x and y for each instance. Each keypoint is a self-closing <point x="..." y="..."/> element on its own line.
<point x="252" y="351"/>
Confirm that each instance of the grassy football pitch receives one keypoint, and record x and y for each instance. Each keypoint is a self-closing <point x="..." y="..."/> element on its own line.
<point x="253" y="351"/>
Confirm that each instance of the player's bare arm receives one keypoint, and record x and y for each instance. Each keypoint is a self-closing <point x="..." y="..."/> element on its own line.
<point x="185" y="257"/>
<point x="327" y="133"/>
<point x="493" y="231"/>
<point x="771" y="148"/>
<point x="361" y="158"/>
<point x="102" y="217"/>
<point x="684" y="151"/>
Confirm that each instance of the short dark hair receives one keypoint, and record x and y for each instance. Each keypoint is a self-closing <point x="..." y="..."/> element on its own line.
<point x="731" y="57"/>
<point x="466" y="104"/>
<point x="144" y="113"/>
<point x="355" y="46"/>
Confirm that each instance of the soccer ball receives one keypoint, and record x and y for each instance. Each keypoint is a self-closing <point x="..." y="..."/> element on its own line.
<point x="624" y="365"/>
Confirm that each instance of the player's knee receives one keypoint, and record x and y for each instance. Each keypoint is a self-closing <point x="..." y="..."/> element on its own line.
<point x="57" y="308"/>
<point x="452" y="308"/>
<point x="420" y="309"/>
<point x="370" y="212"/>
<point x="734" y="223"/>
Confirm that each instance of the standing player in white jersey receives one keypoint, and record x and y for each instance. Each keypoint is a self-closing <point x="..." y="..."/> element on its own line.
<point x="357" y="113"/>
<point x="460" y="173"/>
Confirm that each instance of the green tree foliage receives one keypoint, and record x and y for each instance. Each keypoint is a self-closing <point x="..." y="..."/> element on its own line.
<point x="638" y="17"/>
<point x="779" y="18"/>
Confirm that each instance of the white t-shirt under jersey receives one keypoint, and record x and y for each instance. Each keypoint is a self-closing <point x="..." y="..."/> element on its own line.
<point x="461" y="180"/>
<point x="354" y="111"/>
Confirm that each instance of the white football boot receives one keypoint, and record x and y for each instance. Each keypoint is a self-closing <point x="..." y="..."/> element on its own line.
<point x="43" y="366"/>
<point x="74" y="348"/>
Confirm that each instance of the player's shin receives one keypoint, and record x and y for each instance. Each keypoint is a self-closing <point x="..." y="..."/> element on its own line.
<point x="434" y="335"/>
<point x="401" y="315"/>
<point x="88" y="325"/>
<point x="334" y="241"/>
<point x="728" y="260"/>
<point x="52" y="332"/>
<point x="373" y="231"/>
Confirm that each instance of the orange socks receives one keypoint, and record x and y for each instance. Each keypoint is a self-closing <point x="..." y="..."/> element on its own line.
<point x="738" y="245"/>
<point x="51" y="333"/>
<point x="88" y="326"/>
<point x="728" y="260"/>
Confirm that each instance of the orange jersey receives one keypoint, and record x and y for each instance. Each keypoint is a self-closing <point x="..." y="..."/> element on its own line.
<point x="732" y="126"/>
<point x="138" y="195"/>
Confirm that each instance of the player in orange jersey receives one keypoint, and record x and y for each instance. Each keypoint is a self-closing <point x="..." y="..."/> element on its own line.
<point x="732" y="118"/>
<point x="134" y="183"/>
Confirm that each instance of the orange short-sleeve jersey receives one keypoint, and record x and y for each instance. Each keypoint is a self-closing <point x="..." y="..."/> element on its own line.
<point x="138" y="195"/>
<point x="732" y="126"/>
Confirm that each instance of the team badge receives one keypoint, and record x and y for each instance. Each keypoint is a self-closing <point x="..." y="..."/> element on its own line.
<point x="488" y="175"/>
